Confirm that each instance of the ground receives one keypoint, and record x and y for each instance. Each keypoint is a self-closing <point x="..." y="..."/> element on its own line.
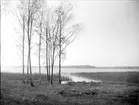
<point x="14" y="92"/>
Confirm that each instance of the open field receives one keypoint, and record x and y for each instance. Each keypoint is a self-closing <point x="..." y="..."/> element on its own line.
<point x="14" y="92"/>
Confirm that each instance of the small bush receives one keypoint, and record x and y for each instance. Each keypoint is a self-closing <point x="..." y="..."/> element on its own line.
<point x="76" y="92"/>
<point x="71" y="83"/>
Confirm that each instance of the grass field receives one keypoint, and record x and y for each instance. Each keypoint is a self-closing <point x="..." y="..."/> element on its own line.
<point x="14" y="92"/>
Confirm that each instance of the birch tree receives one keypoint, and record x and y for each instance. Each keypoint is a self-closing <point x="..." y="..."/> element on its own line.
<point x="21" y="19"/>
<point x="46" y="39"/>
<point x="67" y="30"/>
<point x="51" y="37"/>
<point x="54" y="39"/>
<point x="39" y="30"/>
<point x="33" y="7"/>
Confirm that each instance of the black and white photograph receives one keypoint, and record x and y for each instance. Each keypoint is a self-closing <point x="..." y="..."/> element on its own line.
<point x="69" y="52"/>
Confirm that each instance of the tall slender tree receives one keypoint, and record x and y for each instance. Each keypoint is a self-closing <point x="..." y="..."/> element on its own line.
<point x="39" y="29"/>
<point x="54" y="26"/>
<point x="21" y="15"/>
<point x="67" y="30"/>
<point x="33" y="7"/>
<point x="46" y="38"/>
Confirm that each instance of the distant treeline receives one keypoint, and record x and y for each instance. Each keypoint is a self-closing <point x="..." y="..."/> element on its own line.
<point x="119" y="67"/>
<point x="79" y="66"/>
<point x="93" y="67"/>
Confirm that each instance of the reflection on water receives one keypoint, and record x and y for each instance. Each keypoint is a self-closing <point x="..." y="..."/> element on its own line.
<point x="76" y="78"/>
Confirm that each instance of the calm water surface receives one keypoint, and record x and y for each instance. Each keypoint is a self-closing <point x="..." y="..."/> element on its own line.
<point x="67" y="72"/>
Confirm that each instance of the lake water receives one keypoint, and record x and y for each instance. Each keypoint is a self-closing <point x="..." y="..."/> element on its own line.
<point x="64" y="70"/>
<point x="67" y="72"/>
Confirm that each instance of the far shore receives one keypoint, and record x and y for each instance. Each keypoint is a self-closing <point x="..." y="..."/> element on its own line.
<point x="88" y="67"/>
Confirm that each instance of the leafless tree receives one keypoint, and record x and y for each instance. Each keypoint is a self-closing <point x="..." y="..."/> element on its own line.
<point x="67" y="30"/>
<point x="33" y="7"/>
<point x="54" y="27"/>
<point x="22" y="23"/>
<point x="40" y="35"/>
<point x="59" y="33"/>
<point x="51" y="37"/>
<point x="39" y="30"/>
<point x="54" y="39"/>
<point x="50" y="29"/>
<point x="46" y="39"/>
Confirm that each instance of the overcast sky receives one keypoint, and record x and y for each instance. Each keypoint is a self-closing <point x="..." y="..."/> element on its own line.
<point x="110" y="34"/>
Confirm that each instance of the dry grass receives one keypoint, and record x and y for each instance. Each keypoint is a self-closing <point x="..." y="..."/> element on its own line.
<point x="14" y="92"/>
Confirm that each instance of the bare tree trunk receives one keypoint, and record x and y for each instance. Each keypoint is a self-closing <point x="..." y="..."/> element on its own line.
<point x="27" y="68"/>
<point x="28" y="21"/>
<point x="23" y="47"/>
<point x="59" y="68"/>
<point x="47" y="55"/>
<point x="47" y="61"/>
<point x="29" y="64"/>
<point x="49" y="67"/>
<point x="21" y="20"/>
<point x="52" y="65"/>
<point x="31" y="81"/>
<point x="49" y="58"/>
<point x="39" y="62"/>
<point x="60" y="52"/>
<point x="29" y="31"/>
<point x="40" y="51"/>
<point x="52" y="73"/>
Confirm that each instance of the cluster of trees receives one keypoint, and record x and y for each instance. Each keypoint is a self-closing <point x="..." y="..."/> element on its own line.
<point x="54" y="29"/>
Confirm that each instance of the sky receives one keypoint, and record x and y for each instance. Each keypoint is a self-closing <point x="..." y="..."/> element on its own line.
<point x="109" y="35"/>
